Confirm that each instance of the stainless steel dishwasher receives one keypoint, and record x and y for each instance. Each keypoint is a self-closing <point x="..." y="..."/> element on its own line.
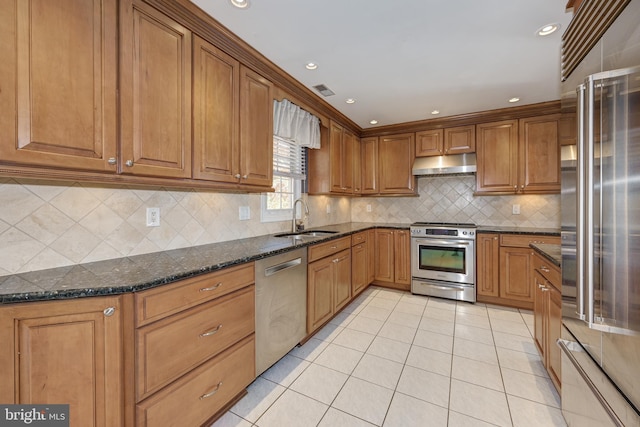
<point x="281" y="306"/>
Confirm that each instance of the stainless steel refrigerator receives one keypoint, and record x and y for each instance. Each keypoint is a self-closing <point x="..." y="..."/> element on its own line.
<point x="601" y="233"/>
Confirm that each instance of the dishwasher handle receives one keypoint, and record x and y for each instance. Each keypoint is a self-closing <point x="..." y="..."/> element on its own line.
<point x="270" y="271"/>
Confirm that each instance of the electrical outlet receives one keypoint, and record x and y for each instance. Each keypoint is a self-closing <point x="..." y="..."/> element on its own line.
<point x="328" y="208"/>
<point x="515" y="209"/>
<point x="368" y="208"/>
<point x="244" y="213"/>
<point x="153" y="217"/>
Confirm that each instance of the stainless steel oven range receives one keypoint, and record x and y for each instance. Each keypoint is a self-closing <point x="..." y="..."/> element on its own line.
<point x="443" y="260"/>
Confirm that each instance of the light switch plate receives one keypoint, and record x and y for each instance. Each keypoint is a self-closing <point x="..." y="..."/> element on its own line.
<point x="515" y="209"/>
<point x="244" y="213"/>
<point x="328" y="208"/>
<point x="368" y="208"/>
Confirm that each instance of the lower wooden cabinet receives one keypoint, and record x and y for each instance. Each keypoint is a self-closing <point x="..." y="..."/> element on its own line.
<point x="504" y="268"/>
<point x="359" y="263"/>
<point x="67" y="351"/>
<point x="392" y="258"/>
<point x="547" y="314"/>
<point x="328" y="281"/>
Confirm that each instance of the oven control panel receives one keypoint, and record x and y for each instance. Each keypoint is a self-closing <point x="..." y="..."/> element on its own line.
<point x="443" y="231"/>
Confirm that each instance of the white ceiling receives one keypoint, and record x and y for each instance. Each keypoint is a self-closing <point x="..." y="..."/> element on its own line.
<point x="402" y="59"/>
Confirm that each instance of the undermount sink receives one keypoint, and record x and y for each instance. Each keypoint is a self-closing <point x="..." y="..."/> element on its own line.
<point x="310" y="233"/>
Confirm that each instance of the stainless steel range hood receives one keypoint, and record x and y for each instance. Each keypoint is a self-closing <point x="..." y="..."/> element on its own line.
<point x="440" y="165"/>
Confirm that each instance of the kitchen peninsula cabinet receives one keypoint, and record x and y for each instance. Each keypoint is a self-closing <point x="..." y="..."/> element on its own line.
<point x="392" y="261"/>
<point x="547" y="312"/>
<point x="328" y="281"/>
<point x="58" y="97"/>
<point x="518" y="156"/>
<point x="507" y="278"/>
<point x="396" y="154"/>
<point x="67" y="351"/>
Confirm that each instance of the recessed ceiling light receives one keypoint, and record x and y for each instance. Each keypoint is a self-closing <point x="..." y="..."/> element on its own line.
<point x="514" y="99"/>
<point x="374" y="122"/>
<point x="547" y="29"/>
<point x="240" y="4"/>
<point x="311" y="66"/>
<point x="350" y="101"/>
<point x="434" y="112"/>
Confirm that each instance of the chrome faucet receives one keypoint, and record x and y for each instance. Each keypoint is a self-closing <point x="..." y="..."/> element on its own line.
<point x="294" y="226"/>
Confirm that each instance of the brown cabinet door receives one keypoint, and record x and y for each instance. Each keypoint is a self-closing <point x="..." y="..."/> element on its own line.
<point x="402" y="257"/>
<point x="539" y="168"/>
<point x="369" y="165"/>
<point x="554" y="327"/>
<point x="461" y="139"/>
<point x="216" y="114"/>
<point x="342" y="281"/>
<point x="488" y="265"/>
<point x="65" y="352"/>
<point x="58" y="77"/>
<point x="515" y="274"/>
<point x="384" y="262"/>
<point x="357" y="166"/>
<point x="256" y="129"/>
<point x="540" y="314"/>
<point x="320" y="292"/>
<point x="430" y="143"/>
<point x="395" y="160"/>
<point x="497" y="148"/>
<point x="155" y="93"/>
<point x="347" y="163"/>
<point x="371" y="256"/>
<point x="359" y="264"/>
<point x="336" y="147"/>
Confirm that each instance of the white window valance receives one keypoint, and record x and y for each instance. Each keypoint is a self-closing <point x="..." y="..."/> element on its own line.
<point x="293" y="123"/>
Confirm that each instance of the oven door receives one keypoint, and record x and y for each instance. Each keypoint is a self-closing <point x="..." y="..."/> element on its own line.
<point x="450" y="260"/>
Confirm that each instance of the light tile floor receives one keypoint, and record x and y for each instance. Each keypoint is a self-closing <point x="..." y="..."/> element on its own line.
<point x="396" y="359"/>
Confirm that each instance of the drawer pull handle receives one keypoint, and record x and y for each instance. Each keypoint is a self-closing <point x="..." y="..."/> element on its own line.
<point x="211" y="288"/>
<point x="334" y="247"/>
<point x="545" y="269"/>
<point x="211" y="332"/>
<point x="212" y="392"/>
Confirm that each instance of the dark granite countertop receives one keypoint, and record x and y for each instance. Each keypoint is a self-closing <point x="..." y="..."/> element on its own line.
<point x="548" y="251"/>
<point x="518" y="230"/>
<point x="136" y="273"/>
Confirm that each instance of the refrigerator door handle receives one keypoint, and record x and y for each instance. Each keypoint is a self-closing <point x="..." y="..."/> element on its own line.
<point x="580" y="201"/>
<point x="567" y="347"/>
<point x="587" y="228"/>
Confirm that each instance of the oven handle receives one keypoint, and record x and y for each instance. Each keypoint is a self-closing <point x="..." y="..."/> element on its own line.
<point x="445" y="288"/>
<point x="444" y="242"/>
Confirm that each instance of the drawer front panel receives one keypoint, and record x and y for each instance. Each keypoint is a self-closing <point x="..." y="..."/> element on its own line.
<point x="171" y="347"/>
<point x="163" y="301"/>
<point x="196" y="397"/>
<point x="523" y="241"/>
<point x="358" y="238"/>
<point x="548" y="270"/>
<point x="322" y="250"/>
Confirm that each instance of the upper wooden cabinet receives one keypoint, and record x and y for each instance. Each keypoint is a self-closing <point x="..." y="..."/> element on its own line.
<point x="369" y="164"/>
<point x="519" y="156"/>
<point x="155" y="93"/>
<point x="396" y="154"/>
<point x="438" y="142"/>
<point x="341" y="166"/>
<point x="58" y="75"/>
<point x="333" y="167"/>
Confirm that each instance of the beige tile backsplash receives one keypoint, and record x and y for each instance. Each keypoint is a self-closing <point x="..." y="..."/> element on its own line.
<point x="53" y="224"/>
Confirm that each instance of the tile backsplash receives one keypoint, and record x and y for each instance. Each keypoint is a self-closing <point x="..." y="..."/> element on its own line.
<point x="53" y="224"/>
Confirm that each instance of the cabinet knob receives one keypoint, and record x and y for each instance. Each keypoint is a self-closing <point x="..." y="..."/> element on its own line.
<point x="112" y="161"/>
<point x="515" y="188"/>
<point x="129" y="163"/>
<point x="237" y="176"/>
<point x="545" y="269"/>
<point x="245" y="176"/>
<point x="495" y="238"/>
<point x="522" y="187"/>
<point x="109" y="311"/>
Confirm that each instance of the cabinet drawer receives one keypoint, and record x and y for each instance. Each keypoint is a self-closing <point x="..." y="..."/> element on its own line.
<point x="183" y="403"/>
<point x="358" y="238"/>
<point x="171" y="347"/>
<point x="550" y="271"/>
<point x="523" y="240"/>
<point x="162" y="301"/>
<point x="322" y="250"/>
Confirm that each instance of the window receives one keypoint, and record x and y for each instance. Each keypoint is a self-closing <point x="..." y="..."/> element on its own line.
<point x="289" y="173"/>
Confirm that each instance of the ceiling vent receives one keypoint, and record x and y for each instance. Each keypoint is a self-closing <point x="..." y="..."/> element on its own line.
<point x="324" y="91"/>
